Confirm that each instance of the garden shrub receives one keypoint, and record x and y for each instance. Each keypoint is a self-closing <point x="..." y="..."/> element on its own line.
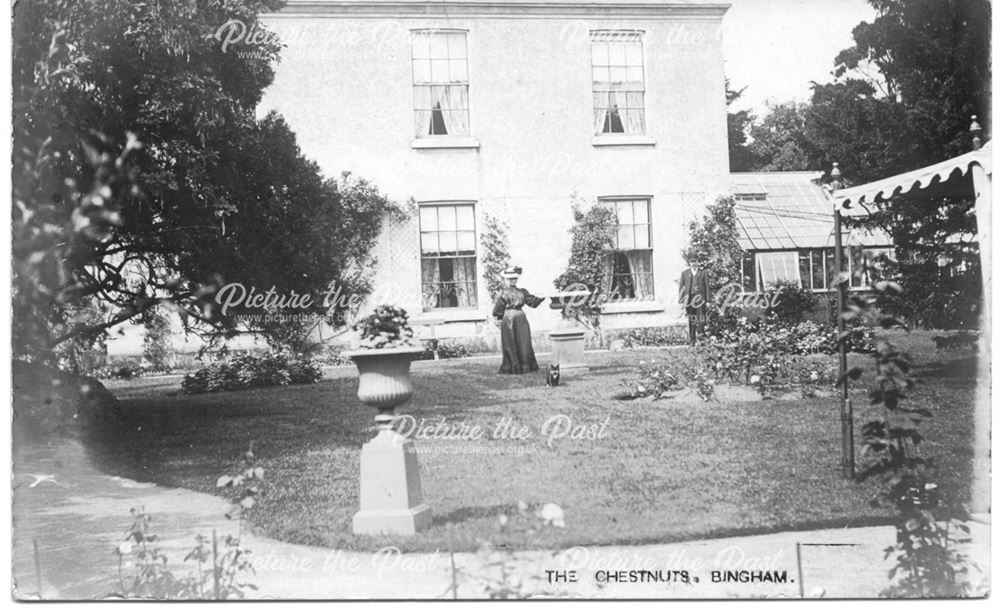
<point x="333" y="356"/>
<point x="807" y="337"/>
<point x="593" y="235"/>
<point x="456" y="348"/>
<point x="813" y="376"/>
<point x="658" y="378"/>
<point x="496" y="253"/>
<point x="962" y="339"/>
<point x="251" y="371"/>
<point x="718" y="323"/>
<point x="929" y="562"/>
<point x="702" y="368"/>
<point x="766" y="358"/>
<point x="640" y="337"/>
<point x="453" y="349"/>
<point x="791" y="302"/>
<point x="303" y="371"/>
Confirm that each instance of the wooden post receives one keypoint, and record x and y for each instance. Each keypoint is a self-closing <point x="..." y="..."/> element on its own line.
<point x="846" y="410"/>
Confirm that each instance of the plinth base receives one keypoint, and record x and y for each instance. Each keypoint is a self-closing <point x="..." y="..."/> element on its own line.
<point x="391" y="499"/>
<point x="406" y="522"/>
<point x="567" y="349"/>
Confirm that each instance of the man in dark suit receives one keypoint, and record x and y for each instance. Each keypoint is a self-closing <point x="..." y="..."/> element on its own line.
<point x="695" y="294"/>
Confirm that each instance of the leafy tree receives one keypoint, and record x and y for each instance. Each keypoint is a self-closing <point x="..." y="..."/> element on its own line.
<point x="713" y="243"/>
<point x="779" y="140"/>
<point x="930" y="61"/>
<point x="903" y="99"/>
<point x="156" y="346"/>
<point x="141" y="176"/>
<point x="740" y="157"/>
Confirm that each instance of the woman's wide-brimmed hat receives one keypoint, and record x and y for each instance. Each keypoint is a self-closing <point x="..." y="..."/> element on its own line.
<point x="511" y="272"/>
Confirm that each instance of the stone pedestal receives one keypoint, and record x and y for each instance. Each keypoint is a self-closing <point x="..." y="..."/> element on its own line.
<point x="391" y="499"/>
<point x="567" y="338"/>
<point x="567" y="349"/>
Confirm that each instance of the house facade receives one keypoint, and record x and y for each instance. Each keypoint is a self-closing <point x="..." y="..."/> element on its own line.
<point x="506" y="112"/>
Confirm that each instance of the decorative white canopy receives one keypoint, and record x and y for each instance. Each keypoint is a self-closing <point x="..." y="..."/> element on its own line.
<point x="933" y="176"/>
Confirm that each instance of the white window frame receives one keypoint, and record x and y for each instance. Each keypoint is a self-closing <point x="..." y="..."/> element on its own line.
<point x="612" y="203"/>
<point x="629" y="88"/>
<point x="424" y="77"/>
<point x="861" y="283"/>
<point x="474" y="282"/>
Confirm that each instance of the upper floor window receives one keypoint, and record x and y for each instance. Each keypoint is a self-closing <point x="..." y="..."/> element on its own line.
<point x="440" y="83"/>
<point x="619" y="84"/>
<point x="630" y="264"/>
<point x="448" y="255"/>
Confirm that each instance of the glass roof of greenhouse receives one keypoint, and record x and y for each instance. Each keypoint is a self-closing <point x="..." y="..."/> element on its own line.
<point x="790" y="210"/>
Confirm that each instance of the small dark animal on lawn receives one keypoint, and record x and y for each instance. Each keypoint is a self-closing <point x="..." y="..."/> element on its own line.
<point x="552" y="378"/>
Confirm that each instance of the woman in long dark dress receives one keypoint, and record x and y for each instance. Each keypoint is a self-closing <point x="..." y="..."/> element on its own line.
<point x="515" y="333"/>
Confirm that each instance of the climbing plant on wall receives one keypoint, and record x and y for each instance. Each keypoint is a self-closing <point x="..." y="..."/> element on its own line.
<point x="593" y="237"/>
<point x="496" y="252"/>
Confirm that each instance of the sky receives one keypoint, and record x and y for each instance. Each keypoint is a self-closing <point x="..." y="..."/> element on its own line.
<point x="774" y="48"/>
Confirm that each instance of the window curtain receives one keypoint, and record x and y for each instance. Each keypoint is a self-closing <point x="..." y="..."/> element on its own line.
<point x="465" y="281"/>
<point x="618" y="120"/>
<point x="600" y="111"/>
<point x="430" y="279"/>
<point x="640" y="265"/>
<point x="611" y="113"/>
<point x="423" y="101"/>
<point x="450" y="105"/>
<point x="636" y="122"/>
<point x="778" y="266"/>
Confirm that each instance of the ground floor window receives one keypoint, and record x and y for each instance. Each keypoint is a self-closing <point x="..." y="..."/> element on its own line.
<point x="774" y="266"/>
<point x="629" y="266"/>
<point x="813" y="269"/>
<point x="448" y="273"/>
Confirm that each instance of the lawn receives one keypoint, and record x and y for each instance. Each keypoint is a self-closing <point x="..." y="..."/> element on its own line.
<point x="663" y="471"/>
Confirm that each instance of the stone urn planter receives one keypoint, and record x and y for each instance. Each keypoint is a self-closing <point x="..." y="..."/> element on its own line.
<point x="391" y="498"/>
<point x="384" y="379"/>
<point x="567" y="337"/>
